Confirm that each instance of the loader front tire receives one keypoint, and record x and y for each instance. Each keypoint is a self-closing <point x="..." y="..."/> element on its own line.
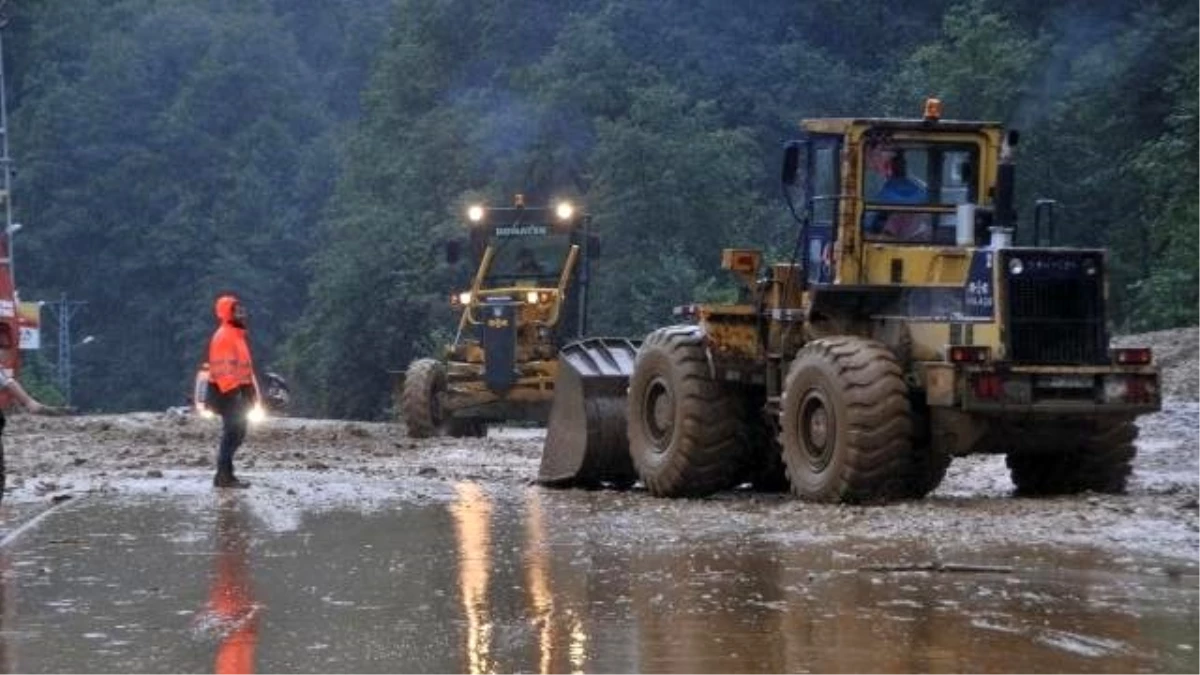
<point x="421" y="401"/>
<point x="846" y="423"/>
<point x="684" y="427"/>
<point x="929" y="463"/>
<point x="1100" y="461"/>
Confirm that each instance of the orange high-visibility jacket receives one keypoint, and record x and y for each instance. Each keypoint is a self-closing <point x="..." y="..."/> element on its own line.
<point x="229" y="365"/>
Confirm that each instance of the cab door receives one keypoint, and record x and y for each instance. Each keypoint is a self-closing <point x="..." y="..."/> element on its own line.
<point x="824" y="158"/>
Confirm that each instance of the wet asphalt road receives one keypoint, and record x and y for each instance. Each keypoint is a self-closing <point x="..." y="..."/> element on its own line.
<point x="473" y="577"/>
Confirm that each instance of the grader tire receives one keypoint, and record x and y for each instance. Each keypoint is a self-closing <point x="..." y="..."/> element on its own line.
<point x="1100" y="462"/>
<point x="420" y="403"/>
<point x="846" y="423"/>
<point x="684" y="428"/>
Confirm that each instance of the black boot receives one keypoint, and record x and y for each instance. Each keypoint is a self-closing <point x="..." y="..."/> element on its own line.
<point x="226" y="479"/>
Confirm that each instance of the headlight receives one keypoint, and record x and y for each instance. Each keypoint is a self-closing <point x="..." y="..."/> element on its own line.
<point x="475" y="213"/>
<point x="464" y="298"/>
<point x="256" y="414"/>
<point x="564" y="210"/>
<point x="531" y="297"/>
<point x="1015" y="266"/>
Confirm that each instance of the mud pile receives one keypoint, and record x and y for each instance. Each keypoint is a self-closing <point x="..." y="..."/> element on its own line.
<point x="1177" y="353"/>
<point x="44" y="449"/>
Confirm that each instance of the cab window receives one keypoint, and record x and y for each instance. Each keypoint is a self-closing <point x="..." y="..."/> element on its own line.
<point x="910" y="189"/>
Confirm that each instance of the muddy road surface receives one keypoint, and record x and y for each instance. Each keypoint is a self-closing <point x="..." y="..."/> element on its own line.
<point x="358" y="549"/>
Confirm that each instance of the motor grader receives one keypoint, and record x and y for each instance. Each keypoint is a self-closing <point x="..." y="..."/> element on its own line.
<point x="526" y="299"/>
<point x="915" y="322"/>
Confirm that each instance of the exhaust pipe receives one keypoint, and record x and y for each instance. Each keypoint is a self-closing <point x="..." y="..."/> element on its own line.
<point x="1004" y="227"/>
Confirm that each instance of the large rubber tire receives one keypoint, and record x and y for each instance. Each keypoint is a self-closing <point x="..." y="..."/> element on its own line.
<point x="684" y="427"/>
<point x="928" y="465"/>
<point x="420" y="403"/>
<point x="846" y="423"/>
<point x="1101" y="461"/>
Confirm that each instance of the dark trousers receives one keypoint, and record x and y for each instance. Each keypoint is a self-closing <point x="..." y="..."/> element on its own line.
<point x="234" y="407"/>
<point x="3" y="421"/>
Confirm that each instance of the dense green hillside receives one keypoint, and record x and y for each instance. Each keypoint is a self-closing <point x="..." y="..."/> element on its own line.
<point x="313" y="154"/>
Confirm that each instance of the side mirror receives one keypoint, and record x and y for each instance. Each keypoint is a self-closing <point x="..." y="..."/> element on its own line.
<point x="453" y="251"/>
<point x="791" y="162"/>
<point x="593" y="246"/>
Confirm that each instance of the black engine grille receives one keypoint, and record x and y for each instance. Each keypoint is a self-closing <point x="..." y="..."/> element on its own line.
<point x="1056" y="307"/>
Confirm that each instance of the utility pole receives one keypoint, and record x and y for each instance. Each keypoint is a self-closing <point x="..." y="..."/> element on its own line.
<point x="63" y="310"/>
<point x="5" y="160"/>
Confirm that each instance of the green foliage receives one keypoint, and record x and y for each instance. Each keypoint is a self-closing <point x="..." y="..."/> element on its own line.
<point x="167" y="150"/>
<point x="315" y="156"/>
<point x="979" y="65"/>
<point x="37" y="378"/>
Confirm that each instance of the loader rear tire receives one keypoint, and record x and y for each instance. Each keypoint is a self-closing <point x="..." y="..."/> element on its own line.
<point x="421" y="401"/>
<point x="846" y="423"/>
<point x="684" y="428"/>
<point x="1100" y="461"/>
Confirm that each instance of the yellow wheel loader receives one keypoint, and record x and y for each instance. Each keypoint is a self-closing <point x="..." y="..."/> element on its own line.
<point x="915" y="322"/>
<point x="527" y="298"/>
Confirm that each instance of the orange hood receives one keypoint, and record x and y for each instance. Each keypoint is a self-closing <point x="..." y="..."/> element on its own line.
<point x="224" y="308"/>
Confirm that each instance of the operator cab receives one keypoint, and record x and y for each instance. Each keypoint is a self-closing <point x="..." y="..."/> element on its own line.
<point x="866" y="186"/>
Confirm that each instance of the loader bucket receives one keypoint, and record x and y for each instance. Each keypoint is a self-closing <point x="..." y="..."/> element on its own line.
<point x="586" y="443"/>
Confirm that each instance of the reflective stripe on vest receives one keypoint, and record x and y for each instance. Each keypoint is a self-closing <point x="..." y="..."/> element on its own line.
<point x="229" y="364"/>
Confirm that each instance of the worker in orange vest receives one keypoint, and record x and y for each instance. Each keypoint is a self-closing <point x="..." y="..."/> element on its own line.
<point x="233" y="389"/>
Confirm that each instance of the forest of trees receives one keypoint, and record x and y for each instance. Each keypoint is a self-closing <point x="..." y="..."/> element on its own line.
<point x="312" y="154"/>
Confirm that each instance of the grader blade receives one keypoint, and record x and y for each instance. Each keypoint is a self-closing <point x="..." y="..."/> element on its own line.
<point x="586" y="444"/>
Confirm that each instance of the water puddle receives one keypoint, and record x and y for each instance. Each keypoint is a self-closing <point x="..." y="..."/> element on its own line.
<point x="491" y="579"/>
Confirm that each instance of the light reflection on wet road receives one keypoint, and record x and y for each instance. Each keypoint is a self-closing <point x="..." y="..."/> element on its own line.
<point x="500" y="580"/>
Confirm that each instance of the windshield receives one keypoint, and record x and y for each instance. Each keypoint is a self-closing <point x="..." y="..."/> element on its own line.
<point x="527" y="260"/>
<point x="900" y="177"/>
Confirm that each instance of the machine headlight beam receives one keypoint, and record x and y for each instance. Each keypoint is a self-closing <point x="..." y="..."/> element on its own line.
<point x="564" y="210"/>
<point x="257" y="414"/>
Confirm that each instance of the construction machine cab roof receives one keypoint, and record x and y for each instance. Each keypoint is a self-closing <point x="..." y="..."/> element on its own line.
<point x="842" y="125"/>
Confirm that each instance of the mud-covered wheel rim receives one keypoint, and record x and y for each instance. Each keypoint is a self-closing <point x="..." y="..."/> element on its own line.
<point x="817" y="430"/>
<point x="658" y="414"/>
